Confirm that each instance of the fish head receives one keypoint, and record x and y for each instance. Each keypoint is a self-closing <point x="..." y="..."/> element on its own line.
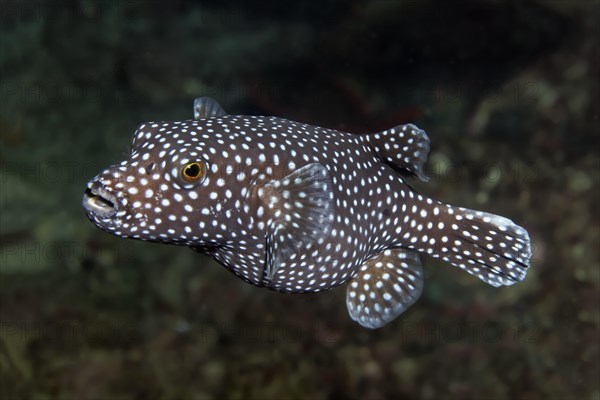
<point x="165" y="191"/>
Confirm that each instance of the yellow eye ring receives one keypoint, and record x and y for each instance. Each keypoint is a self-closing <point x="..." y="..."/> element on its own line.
<point x="193" y="172"/>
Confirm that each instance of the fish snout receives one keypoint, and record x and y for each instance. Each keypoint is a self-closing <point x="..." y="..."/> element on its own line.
<point x="99" y="202"/>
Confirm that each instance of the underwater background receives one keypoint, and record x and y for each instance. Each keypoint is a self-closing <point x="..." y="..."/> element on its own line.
<point x="508" y="93"/>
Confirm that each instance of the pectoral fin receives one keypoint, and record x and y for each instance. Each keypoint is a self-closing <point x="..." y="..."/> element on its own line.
<point x="205" y="107"/>
<point x="300" y="211"/>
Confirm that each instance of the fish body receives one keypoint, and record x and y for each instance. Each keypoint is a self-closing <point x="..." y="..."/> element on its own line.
<point x="299" y="208"/>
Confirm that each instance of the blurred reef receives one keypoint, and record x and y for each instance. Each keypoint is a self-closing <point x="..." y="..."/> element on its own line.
<point x="507" y="91"/>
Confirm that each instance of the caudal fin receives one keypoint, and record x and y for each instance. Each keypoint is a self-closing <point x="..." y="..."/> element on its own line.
<point x="489" y="246"/>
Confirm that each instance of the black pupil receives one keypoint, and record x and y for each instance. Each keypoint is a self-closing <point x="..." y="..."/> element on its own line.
<point x="192" y="170"/>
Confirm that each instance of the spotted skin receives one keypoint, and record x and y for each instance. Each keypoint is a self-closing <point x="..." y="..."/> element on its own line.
<point x="298" y="208"/>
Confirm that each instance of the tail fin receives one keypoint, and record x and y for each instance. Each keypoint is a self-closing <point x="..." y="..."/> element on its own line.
<point x="489" y="246"/>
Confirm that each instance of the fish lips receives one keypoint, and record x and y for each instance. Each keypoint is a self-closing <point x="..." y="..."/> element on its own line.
<point x="99" y="203"/>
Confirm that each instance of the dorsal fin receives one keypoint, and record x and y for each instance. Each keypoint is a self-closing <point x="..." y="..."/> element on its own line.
<point x="404" y="148"/>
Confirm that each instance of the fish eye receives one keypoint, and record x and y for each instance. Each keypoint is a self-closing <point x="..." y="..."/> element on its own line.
<point x="193" y="172"/>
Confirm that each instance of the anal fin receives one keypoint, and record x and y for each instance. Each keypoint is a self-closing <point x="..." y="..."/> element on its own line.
<point x="385" y="286"/>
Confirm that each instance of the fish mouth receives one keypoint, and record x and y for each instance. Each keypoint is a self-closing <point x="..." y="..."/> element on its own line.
<point x="99" y="202"/>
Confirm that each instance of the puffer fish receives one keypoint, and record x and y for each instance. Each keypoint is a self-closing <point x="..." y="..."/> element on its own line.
<point x="298" y="208"/>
